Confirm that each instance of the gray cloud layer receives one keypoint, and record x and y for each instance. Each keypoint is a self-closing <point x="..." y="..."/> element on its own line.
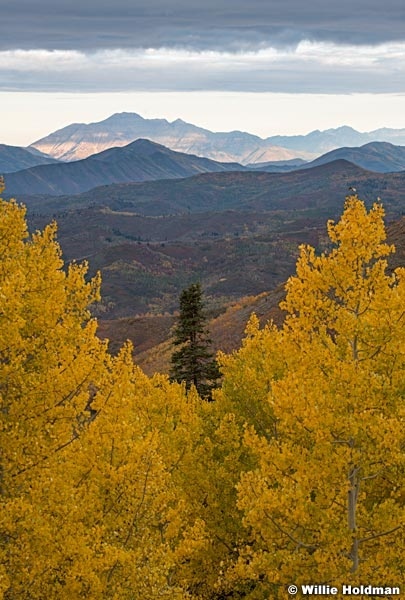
<point x="211" y="24"/>
<point x="312" y="46"/>
<point x="317" y="67"/>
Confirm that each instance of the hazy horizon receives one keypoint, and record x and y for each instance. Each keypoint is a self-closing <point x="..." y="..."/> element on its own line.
<point x="47" y="113"/>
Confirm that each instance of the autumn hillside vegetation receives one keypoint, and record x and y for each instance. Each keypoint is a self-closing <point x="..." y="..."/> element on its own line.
<point x="118" y="485"/>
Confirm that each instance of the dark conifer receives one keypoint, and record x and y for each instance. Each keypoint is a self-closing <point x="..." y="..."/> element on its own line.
<point x="193" y="362"/>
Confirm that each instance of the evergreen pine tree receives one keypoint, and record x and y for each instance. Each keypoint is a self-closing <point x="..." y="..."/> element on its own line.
<point x="193" y="362"/>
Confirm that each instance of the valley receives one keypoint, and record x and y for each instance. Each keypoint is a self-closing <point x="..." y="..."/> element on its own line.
<point x="154" y="220"/>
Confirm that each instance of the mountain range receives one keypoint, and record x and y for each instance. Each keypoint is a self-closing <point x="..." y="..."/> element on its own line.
<point x="144" y="160"/>
<point x="320" y="142"/>
<point x="317" y="190"/>
<point x="15" y="158"/>
<point x="141" y="160"/>
<point x="79" y="140"/>
<point x="381" y="157"/>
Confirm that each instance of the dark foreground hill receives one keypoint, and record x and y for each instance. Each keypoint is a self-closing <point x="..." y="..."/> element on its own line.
<point x="140" y="161"/>
<point x="317" y="191"/>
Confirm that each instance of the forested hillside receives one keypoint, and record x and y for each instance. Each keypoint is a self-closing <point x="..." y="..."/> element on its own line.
<point x="151" y="240"/>
<point x="117" y="485"/>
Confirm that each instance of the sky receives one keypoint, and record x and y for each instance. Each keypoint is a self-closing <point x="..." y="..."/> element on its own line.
<point x="263" y="66"/>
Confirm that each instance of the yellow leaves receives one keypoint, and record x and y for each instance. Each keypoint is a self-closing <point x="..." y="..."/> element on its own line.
<point x="13" y="230"/>
<point x="347" y="279"/>
<point x="115" y="485"/>
<point x="4" y="581"/>
<point x="337" y="417"/>
<point x="195" y="538"/>
<point x="86" y="488"/>
<point x="357" y="228"/>
<point x="252" y="326"/>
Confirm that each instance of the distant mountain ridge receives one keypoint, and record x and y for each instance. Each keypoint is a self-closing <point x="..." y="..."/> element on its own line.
<point x="79" y="140"/>
<point x="381" y="157"/>
<point x="141" y="160"/>
<point x="15" y="158"/>
<point x="317" y="190"/>
<point x="144" y="160"/>
<point x="330" y="139"/>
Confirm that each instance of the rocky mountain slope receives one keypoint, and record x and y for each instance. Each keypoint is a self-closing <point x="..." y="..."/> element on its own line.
<point x="80" y="140"/>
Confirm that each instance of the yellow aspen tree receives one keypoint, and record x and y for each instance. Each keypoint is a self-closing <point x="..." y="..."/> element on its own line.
<point x="48" y="348"/>
<point x="249" y="374"/>
<point x="326" y="502"/>
<point x="88" y="506"/>
<point x="50" y="363"/>
<point x="128" y="513"/>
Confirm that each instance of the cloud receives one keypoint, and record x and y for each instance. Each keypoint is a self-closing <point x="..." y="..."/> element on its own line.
<point x="213" y="24"/>
<point x="309" y="67"/>
<point x="311" y="46"/>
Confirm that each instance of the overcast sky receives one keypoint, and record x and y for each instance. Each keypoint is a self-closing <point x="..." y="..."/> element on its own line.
<point x="296" y="64"/>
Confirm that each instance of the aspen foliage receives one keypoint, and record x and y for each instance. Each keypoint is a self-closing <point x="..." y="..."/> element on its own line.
<point x="114" y="485"/>
<point x="88" y="507"/>
<point x="208" y="479"/>
<point x="326" y="502"/>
